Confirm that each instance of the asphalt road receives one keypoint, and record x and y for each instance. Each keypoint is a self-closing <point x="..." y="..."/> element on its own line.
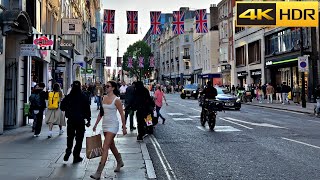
<point x="253" y="143"/>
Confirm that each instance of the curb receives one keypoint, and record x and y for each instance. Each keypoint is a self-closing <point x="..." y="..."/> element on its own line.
<point x="278" y="108"/>
<point x="148" y="162"/>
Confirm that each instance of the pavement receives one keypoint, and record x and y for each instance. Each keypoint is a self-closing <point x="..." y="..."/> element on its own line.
<point x="24" y="157"/>
<point x="288" y="107"/>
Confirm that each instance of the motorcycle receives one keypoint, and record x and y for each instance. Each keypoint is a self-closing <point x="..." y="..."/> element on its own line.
<point x="209" y="112"/>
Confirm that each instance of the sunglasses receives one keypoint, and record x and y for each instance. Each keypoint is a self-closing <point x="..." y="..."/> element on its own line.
<point x="107" y="86"/>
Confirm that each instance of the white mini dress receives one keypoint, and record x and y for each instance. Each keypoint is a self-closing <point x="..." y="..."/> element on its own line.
<point x="110" y="122"/>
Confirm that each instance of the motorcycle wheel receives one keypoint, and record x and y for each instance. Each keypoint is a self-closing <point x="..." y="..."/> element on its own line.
<point x="212" y="122"/>
<point x="202" y="120"/>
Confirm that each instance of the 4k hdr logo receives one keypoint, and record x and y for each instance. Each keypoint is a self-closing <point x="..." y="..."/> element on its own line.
<point x="285" y="14"/>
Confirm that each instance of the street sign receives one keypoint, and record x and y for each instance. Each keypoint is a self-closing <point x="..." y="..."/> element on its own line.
<point x="28" y="50"/>
<point x="303" y="64"/>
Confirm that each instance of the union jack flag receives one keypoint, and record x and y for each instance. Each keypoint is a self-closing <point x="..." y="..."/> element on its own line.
<point x="178" y="22"/>
<point x="201" y="21"/>
<point x="155" y="22"/>
<point x="132" y="18"/>
<point x="141" y="62"/>
<point x="108" y="21"/>
<point x="151" y="61"/>
<point x="130" y="62"/>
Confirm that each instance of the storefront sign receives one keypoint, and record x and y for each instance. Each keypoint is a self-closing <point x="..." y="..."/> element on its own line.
<point x="197" y="71"/>
<point x="303" y="64"/>
<point x="28" y="50"/>
<point x="44" y="41"/>
<point x="269" y="63"/>
<point x="242" y="74"/>
<point x="255" y="73"/>
<point x="66" y="45"/>
<point x="71" y="26"/>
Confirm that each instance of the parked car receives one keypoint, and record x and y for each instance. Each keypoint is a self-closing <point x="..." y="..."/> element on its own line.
<point x="228" y="100"/>
<point x="190" y="90"/>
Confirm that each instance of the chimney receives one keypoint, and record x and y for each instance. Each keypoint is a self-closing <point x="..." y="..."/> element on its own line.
<point x="213" y="15"/>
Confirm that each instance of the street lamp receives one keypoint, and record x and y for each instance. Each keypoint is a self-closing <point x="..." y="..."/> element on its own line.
<point x="303" y="91"/>
<point x="117" y="57"/>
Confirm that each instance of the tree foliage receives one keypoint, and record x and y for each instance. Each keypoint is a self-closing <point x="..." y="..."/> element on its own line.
<point x="136" y="50"/>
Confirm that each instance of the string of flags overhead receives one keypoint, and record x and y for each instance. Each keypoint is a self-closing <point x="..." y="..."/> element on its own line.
<point x="130" y="62"/>
<point x="155" y="22"/>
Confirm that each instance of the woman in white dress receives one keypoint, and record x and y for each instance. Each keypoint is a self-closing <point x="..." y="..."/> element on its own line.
<point x="110" y="126"/>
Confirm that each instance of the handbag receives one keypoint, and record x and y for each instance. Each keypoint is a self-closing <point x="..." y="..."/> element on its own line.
<point x="94" y="146"/>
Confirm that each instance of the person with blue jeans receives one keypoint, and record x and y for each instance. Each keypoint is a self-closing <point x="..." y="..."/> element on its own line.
<point x="98" y="94"/>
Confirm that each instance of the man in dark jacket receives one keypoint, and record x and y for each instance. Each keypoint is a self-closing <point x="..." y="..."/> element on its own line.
<point x="38" y="105"/>
<point x="141" y="104"/>
<point x="77" y="109"/>
<point x="128" y="104"/>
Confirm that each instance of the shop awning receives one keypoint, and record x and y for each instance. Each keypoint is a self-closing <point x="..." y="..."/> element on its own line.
<point x="209" y="76"/>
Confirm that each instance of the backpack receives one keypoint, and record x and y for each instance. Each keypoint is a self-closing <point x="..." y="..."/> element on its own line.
<point x="35" y="101"/>
<point x="53" y="100"/>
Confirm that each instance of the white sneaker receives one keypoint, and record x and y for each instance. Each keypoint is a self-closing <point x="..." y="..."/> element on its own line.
<point x="61" y="132"/>
<point x="36" y="135"/>
<point x="50" y="134"/>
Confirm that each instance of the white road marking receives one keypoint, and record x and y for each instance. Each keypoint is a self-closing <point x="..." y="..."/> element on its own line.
<point x="282" y="110"/>
<point x="175" y="114"/>
<point x="163" y="159"/>
<point x="194" y="116"/>
<point x="313" y="121"/>
<point x="256" y="124"/>
<point x="170" y="101"/>
<point x="236" y="123"/>
<point x="196" y="109"/>
<point x="201" y="128"/>
<point x="181" y="104"/>
<point x="219" y="128"/>
<point x="182" y="119"/>
<point x="310" y="145"/>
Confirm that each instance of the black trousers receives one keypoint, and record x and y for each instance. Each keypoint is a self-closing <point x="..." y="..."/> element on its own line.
<point x="38" y="118"/>
<point x="75" y="129"/>
<point x="141" y="122"/>
<point x="158" y="112"/>
<point x="131" y="113"/>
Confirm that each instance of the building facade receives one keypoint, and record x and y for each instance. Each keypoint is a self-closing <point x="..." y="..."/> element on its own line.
<point x="226" y="46"/>
<point x="176" y="52"/>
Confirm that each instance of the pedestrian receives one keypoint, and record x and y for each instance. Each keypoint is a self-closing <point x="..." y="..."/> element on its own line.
<point x="270" y="92"/>
<point x="77" y="109"/>
<point x="128" y="104"/>
<point x="233" y="90"/>
<point x="278" y="93"/>
<point x="159" y="95"/>
<point x="86" y="92"/>
<point x="54" y="115"/>
<point x="285" y="91"/>
<point x="110" y="126"/>
<point x="317" y="95"/>
<point x="38" y="105"/>
<point x="259" y="94"/>
<point x="123" y="89"/>
<point x="141" y="104"/>
<point x="296" y="94"/>
<point x="98" y="94"/>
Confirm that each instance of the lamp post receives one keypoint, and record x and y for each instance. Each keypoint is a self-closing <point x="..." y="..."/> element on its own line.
<point x="117" y="57"/>
<point x="303" y="91"/>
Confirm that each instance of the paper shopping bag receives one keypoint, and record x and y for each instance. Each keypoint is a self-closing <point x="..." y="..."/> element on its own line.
<point x="94" y="146"/>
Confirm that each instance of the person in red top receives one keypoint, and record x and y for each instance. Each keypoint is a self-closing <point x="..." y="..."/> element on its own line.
<point x="159" y="95"/>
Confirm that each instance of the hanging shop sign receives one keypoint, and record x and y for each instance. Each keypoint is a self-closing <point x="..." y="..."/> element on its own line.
<point x="66" y="45"/>
<point x="256" y="73"/>
<point x="44" y="41"/>
<point x="28" y="50"/>
<point x="71" y="26"/>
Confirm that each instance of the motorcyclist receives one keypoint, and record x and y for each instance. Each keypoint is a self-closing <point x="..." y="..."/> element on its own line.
<point x="209" y="92"/>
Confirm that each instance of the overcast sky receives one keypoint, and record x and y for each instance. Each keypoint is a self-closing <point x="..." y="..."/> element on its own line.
<point x="143" y="7"/>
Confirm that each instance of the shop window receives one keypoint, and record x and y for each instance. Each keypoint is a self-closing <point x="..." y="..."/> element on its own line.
<point x="254" y="52"/>
<point x="240" y="56"/>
